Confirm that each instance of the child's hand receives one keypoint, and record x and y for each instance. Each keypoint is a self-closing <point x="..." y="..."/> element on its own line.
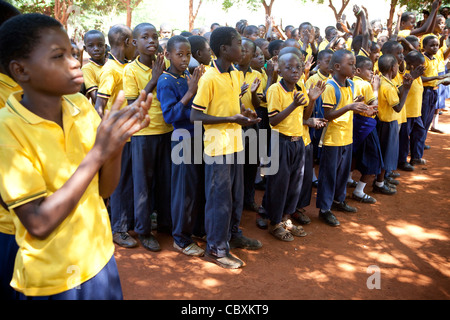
<point x="371" y="111"/>
<point x="194" y="78"/>
<point x="315" y="91"/>
<point x="244" y="89"/>
<point x="299" y="99"/>
<point x="407" y="81"/>
<point x="356" y="10"/>
<point x="309" y="62"/>
<point x="317" y="123"/>
<point x="359" y="107"/>
<point x="158" y="66"/>
<point x="376" y="81"/>
<point x="417" y="72"/>
<point x="255" y="85"/>
<point x="118" y="125"/>
<point x="359" y="98"/>
<point x="246" y="118"/>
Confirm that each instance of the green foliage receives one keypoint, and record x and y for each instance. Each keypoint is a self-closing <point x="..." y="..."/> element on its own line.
<point x="419" y="5"/>
<point x="250" y="4"/>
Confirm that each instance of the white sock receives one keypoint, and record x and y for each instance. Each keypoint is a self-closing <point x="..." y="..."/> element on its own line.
<point x="435" y="121"/>
<point x="359" y="190"/>
<point x="314" y="175"/>
<point x="379" y="184"/>
<point x="350" y="179"/>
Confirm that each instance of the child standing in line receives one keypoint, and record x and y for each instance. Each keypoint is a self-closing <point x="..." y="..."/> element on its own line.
<point x="62" y="225"/>
<point x="150" y="147"/>
<point x="217" y="106"/>
<point x="390" y="103"/>
<point x="288" y="104"/>
<point x="95" y="46"/>
<point x="176" y="89"/>
<point x="337" y="139"/>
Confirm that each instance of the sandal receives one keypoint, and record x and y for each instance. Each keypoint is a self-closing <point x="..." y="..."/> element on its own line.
<point x="297" y="231"/>
<point x="191" y="250"/>
<point x="279" y="232"/>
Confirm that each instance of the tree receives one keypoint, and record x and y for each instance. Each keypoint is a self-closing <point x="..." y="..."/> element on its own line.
<point x="192" y="15"/>
<point x="252" y="5"/>
<point x="130" y="5"/>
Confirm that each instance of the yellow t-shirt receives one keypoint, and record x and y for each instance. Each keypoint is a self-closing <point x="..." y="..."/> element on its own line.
<point x="398" y="82"/>
<point x="111" y="81"/>
<point x="339" y="131"/>
<point x="278" y="99"/>
<point x="363" y="53"/>
<point x="218" y="95"/>
<point x="364" y="88"/>
<point x="263" y="85"/>
<point x="249" y="77"/>
<point x="404" y="33"/>
<point x="413" y="103"/>
<point x="388" y="97"/>
<point x="39" y="157"/>
<point x="308" y="49"/>
<point x="136" y="76"/>
<point x="7" y="86"/>
<point x="431" y="70"/>
<point x="91" y="75"/>
<point x="323" y="45"/>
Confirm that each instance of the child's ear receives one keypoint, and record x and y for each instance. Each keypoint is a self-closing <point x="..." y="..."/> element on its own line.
<point x="133" y="42"/>
<point x="166" y="54"/>
<point x="18" y="71"/>
<point x="358" y="70"/>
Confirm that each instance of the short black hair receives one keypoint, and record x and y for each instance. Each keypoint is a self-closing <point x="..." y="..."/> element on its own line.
<point x="20" y="35"/>
<point x="290" y="43"/>
<point x="249" y="30"/>
<point x="197" y="43"/>
<point x="390" y="46"/>
<point x="222" y="36"/>
<point x="118" y="33"/>
<point x="138" y="29"/>
<point x="406" y="15"/>
<point x="338" y="56"/>
<point x="214" y="24"/>
<point x="414" y="57"/>
<point x="305" y="25"/>
<point x="428" y="39"/>
<point x="361" y="61"/>
<point x="293" y="50"/>
<point x="174" y="40"/>
<point x="275" y="45"/>
<point x="7" y="11"/>
<point x="186" y="34"/>
<point x="250" y="41"/>
<point x="386" y="63"/>
<point x="91" y="33"/>
<point x="411" y="39"/>
<point x="323" y="53"/>
<point x="329" y="30"/>
<point x="260" y="41"/>
<point x="357" y="43"/>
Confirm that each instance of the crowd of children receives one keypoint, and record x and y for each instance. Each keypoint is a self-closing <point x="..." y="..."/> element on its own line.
<point x="177" y="126"/>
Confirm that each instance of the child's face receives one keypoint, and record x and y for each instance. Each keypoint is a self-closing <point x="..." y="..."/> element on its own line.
<point x="95" y="46"/>
<point x="265" y="50"/>
<point x="440" y="25"/>
<point x="394" y="70"/>
<point x="324" y="64"/>
<point x="398" y="53"/>
<point x="347" y="66"/>
<point x="51" y="69"/>
<point x="233" y="52"/>
<point x="410" y="23"/>
<point x="432" y="46"/>
<point x="291" y="69"/>
<point x="377" y="27"/>
<point x="374" y="53"/>
<point x="248" y="52"/>
<point x="382" y="40"/>
<point x="258" y="59"/>
<point x="204" y="55"/>
<point x="179" y="57"/>
<point x="295" y="34"/>
<point x="365" y="72"/>
<point x="253" y="36"/>
<point x="75" y="51"/>
<point x="340" y="44"/>
<point x="147" y="41"/>
<point x="262" y="31"/>
<point x="165" y="33"/>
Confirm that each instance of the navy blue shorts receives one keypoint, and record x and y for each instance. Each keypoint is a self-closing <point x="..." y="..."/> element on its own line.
<point x="8" y="250"/>
<point x="389" y="135"/>
<point x="368" y="157"/>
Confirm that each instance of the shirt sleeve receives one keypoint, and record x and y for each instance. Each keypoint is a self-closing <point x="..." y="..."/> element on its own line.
<point x="130" y="85"/>
<point x="329" y="97"/>
<point x="89" y="79"/>
<point x="391" y="96"/>
<point x="273" y="101"/>
<point x="204" y="95"/>
<point x="107" y="84"/>
<point x="173" y="110"/>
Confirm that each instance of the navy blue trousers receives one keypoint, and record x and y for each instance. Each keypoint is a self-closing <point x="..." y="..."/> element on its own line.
<point x="251" y="164"/>
<point x="283" y="188"/>
<point x="335" y="165"/>
<point x="389" y="135"/>
<point x="224" y="187"/>
<point x="151" y="167"/>
<point x="105" y="285"/>
<point x="122" y="200"/>
<point x="188" y="195"/>
<point x="8" y="250"/>
<point x="408" y="141"/>
<point x="304" y="199"/>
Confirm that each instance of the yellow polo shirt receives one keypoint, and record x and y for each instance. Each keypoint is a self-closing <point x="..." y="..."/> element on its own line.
<point x="111" y="81"/>
<point x="218" y="95"/>
<point x="38" y="158"/>
<point x="91" y="75"/>
<point x="7" y="86"/>
<point x="136" y="76"/>
<point x="339" y="131"/>
<point x="250" y="76"/>
<point x="388" y="97"/>
<point x="431" y="70"/>
<point x="413" y="103"/>
<point x="278" y="99"/>
<point x="263" y="85"/>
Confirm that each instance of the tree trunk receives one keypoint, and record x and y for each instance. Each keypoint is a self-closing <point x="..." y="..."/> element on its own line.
<point x="60" y="11"/>
<point x="338" y="14"/>
<point x="192" y="15"/>
<point x="268" y="11"/>
<point x="130" y="5"/>
<point x="390" y="21"/>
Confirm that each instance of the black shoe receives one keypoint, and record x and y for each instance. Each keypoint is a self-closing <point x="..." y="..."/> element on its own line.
<point x="251" y="207"/>
<point x="385" y="189"/>
<point x="343" y="206"/>
<point x="426" y="147"/>
<point x="315" y="183"/>
<point x="243" y="242"/>
<point x="352" y="184"/>
<point x="393" y="174"/>
<point x="418" y="161"/>
<point x="405" y="166"/>
<point x="329" y="218"/>
<point x="301" y="217"/>
<point x="124" y="239"/>
<point x="227" y="262"/>
<point x="149" y="242"/>
<point x="364" y="199"/>
<point x="392" y="181"/>
<point x="261" y="222"/>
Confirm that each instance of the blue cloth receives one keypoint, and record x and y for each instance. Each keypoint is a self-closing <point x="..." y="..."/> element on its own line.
<point x="251" y="149"/>
<point x="388" y="134"/>
<point x="408" y="139"/>
<point x="441" y="94"/>
<point x="283" y="188"/>
<point x="335" y="164"/>
<point x="122" y="200"/>
<point x="368" y="157"/>
<point x="362" y="127"/>
<point x="105" y="285"/>
<point x="304" y="198"/>
<point x="8" y="251"/>
<point x="170" y="90"/>
<point x="224" y="181"/>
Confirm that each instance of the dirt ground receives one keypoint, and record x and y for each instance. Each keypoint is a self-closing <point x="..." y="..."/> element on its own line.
<point x="405" y="236"/>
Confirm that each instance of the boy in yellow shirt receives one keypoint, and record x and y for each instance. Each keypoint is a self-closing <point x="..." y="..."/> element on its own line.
<point x="95" y="46"/>
<point x="61" y="223"/>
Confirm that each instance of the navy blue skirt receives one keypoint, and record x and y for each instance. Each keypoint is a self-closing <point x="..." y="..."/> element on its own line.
<point x="388" y="136"/>
<point x="368" y="156"/>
